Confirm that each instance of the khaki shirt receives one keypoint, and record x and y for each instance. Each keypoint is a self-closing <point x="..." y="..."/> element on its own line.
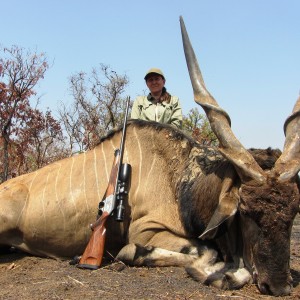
<point x="146" y="108"/>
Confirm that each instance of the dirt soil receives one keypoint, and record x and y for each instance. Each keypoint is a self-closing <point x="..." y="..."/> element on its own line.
<point x="26" y="277"/>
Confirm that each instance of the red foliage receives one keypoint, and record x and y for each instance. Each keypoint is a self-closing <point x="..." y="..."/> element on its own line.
<point x="19" y="74"/>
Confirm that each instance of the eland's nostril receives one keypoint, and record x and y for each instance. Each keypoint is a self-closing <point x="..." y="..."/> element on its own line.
<point x="265" y="289"/>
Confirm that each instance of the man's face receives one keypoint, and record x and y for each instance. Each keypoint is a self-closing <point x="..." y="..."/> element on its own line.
<point x="155" y="83"/>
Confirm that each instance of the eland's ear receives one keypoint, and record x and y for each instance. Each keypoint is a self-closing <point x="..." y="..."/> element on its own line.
<point x="228" y="205"/>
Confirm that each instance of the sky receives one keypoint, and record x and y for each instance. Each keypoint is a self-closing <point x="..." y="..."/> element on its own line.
<point x="248" y="52"/>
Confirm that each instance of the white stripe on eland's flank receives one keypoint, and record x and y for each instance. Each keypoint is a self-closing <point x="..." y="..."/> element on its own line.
<point x="112" y="144"/>
<point x="27" y="197"/>
<point x="84" y="183"/>
<point x="96" y="173"/>
<point x="114" y="148"/>
<point x="30" y="185"/>
<point x="153" y="163"/>
<point x="71" y="190"/>
<point x="140" y="164"/>
<point x="57" y="198"/>
<point x="72" y="193"/>
<point x="43" y="202"/>
<point x="104" y="161"/>
<point x="126" y="155"/>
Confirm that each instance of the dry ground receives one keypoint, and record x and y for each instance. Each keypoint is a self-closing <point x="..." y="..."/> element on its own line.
<point x="26" y="277"/>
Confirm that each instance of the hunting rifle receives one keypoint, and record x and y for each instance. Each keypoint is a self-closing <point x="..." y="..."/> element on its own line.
<point x="112" y="203"/>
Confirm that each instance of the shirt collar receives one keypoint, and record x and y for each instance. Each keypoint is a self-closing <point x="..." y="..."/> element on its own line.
<point x="150" y="97"/>
<point x="153" y="100"/>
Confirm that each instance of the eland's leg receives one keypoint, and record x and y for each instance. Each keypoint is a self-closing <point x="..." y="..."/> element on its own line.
<point x="166" y="249"/>
<point x="199" y="258"/>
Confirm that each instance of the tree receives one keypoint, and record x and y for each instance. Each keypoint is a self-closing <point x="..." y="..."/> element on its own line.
<point x="198" y="127"/>
<point x="41" y="140"/>
<point x="98" y="107"/>
<point x="20" y="72"/>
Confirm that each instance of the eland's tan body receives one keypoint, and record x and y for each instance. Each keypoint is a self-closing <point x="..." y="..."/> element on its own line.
<point x="47" y="212"/>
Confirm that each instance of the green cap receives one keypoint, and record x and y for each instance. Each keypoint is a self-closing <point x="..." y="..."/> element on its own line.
<point x="154" y="71"/>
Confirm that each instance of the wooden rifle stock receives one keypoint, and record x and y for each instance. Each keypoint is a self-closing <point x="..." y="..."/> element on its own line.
<point x="93" y="253"/>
